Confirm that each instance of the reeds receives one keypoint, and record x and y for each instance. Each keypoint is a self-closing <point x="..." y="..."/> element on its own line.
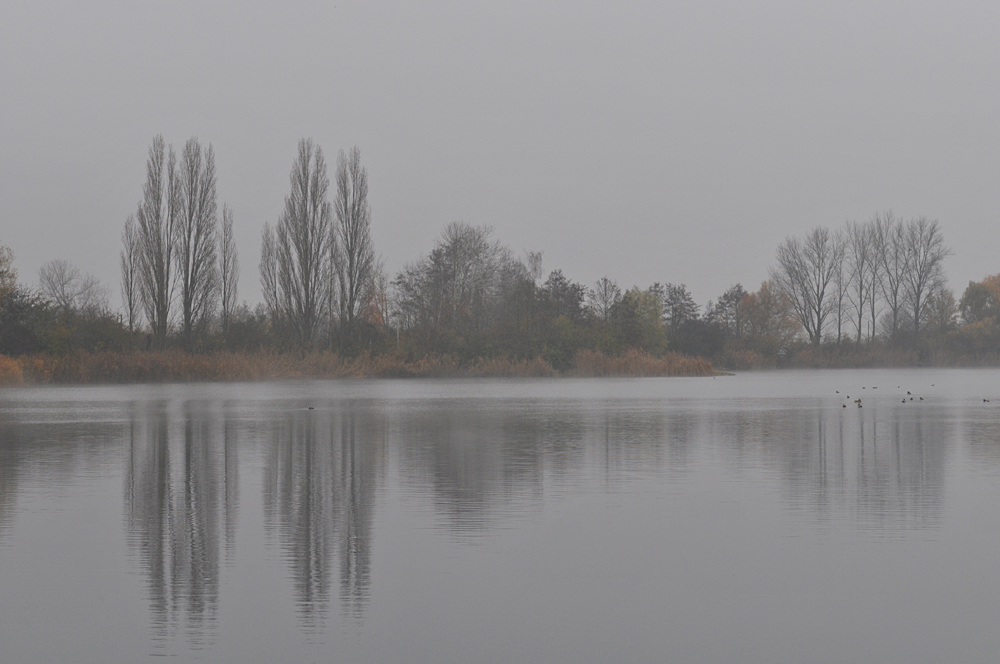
<point x="850" y="356"/>
<point x="634" y="362"/>
<point x="10" y="371"/>
<point x="178" y="366"/>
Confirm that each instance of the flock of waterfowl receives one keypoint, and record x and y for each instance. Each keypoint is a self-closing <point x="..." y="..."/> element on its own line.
<point x="908" y="397"/>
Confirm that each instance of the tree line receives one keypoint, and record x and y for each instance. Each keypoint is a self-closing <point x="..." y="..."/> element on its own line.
<point x="868" y="291"/>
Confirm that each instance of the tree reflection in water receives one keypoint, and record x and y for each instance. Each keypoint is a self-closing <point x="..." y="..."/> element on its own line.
<point x="476" y="462"/>
<point x="319" y="493"/>
<point x="180" y="498"/>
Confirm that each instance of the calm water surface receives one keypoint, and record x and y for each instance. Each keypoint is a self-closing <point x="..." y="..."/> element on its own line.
<point x="749" y="518"/>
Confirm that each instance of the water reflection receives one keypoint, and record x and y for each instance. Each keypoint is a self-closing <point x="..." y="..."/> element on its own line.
<point x="882" y="467"/>
<point x="476" y="463"/>
<point x="485" y="461"/>
<point x="180" y="507"/>
<point x="38" y="448"/>
<point x="323" y="467"/>
<point x="9" y="467"/>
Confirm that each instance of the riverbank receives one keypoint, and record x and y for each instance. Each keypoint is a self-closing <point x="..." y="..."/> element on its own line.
<point x="178" y="366"/>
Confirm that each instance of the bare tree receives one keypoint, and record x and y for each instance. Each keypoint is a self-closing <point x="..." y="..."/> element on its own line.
<point x="8" y="274"/>
<point x="805" y="272"/>
<point x="841" y="284"/>
<point x="890" y="243"/>
<point x="860" y="263"/>
<point x="70" y="290"/>
<point x="925" y="251"/>
<point x="678" y="306"/>
<point x="604" y="295"/>
<point x="533" y="261"/>
<point x="130" y="267"/>
<point x="59" y="283"/>
<point x="356" y="262"/>
<point x="157" y="215"/>
<point x="376" y="307"/>
<point x="940" y="310"/>
<point x="303" y="242"/>
<point x="229" y="269"/>
<point x="460" y="288"/>
<point x="195" y="239"/>
<point x="269" y="274"/>
<point x="728" y="310"/>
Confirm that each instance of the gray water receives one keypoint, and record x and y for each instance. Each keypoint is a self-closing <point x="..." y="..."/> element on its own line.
<point x="749" y="518"/>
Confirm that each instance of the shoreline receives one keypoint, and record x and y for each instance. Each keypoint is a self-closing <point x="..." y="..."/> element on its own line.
<point x="175" y="366"/>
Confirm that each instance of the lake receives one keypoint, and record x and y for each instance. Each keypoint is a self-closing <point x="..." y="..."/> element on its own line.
<point x="747" y="518"/>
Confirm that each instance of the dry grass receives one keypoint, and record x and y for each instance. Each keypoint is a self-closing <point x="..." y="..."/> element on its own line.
<point x="636" y="362"/>
<point x="743" y="359"/>
<point x="10" y="371"/>
<point x="850" y="356"/>
<point x="177" y="366"/>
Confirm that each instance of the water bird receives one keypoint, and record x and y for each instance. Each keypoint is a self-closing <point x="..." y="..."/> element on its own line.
<point x="838" y="391"/>
<point x="859" y="405"/>
<point x="986" y="400"/>
<point x="311" y="408"/>
<point x="921" y="398"/>
<point x="857" y="401"/>
<point x="843" y="405"/>
<point x="911" y="398"/>
<point x="904" y="401"/>
<point x="907" y="393"/>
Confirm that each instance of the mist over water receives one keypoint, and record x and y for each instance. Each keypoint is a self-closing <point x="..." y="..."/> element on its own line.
<point x="743" y="518"/>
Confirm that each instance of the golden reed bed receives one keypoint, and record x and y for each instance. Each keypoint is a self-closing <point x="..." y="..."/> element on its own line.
<point x="178" y="366"/>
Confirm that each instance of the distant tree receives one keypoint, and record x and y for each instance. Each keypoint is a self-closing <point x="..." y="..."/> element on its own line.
<point x="648" y="307"/>
<point x="229" y="270"/>
<point x="981" y="300"/>
<point x="157" y="216"/>
<point x="195" y="237"/>
<point x="8" y="274"/>
<point x="940" y="310"/>
<point x="71" y="291"/>
<point x="23" y="318"/>
<point x="841" y="285"/>
<point x="805" y="274"/>
<point x="604" y="295"/>
<point x="375" y="310"/>
<point x="728" y="311"/>
<point x="626" y="318"/>
<point x="458" y="291"/>
<point x="130" y="262"/>
<point x="563" y="297"/>
<point x="269" y="275"/>
<point x="678" y="306"/>
<point x="356" y="263"/>
<point x="770" y="320"/>
<point x="59" y="283"/>
<point x="889" y="240"/>
<point x="861" y="263"/>
<point x="295" y="266"/>
<point x="925" y="251"/>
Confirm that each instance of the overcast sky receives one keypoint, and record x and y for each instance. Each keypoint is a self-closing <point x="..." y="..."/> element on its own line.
<point x="653" y="141"/>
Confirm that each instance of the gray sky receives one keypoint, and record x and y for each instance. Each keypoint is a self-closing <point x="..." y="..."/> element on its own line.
<point x="650" y="141"/>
